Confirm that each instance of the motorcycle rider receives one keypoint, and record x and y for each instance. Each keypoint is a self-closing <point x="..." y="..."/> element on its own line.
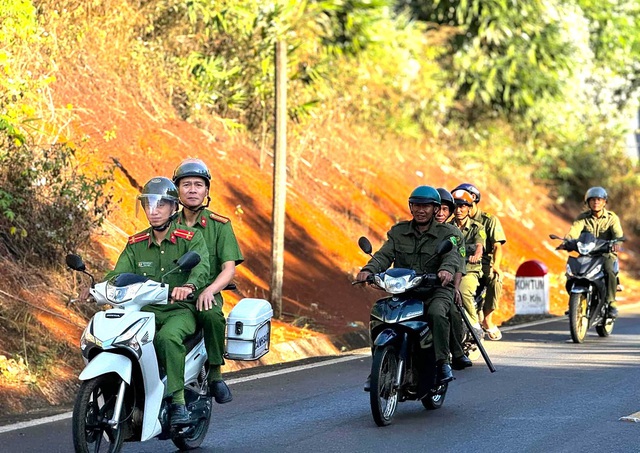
<point x="491" y="260"/>
<point x="603" y="224"/>
<point x="473" y="233"/>
<point x="193" y="180"/>
<point x="459" y="360"/>
<point x="410" y="244"/>
<point x="151" y="253"/>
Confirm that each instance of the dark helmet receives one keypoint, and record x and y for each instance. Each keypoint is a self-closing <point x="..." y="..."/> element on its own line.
<point x="446" y="198"/>
<point x="473" y="190"/>
<point x="462" y="197"/>
<point x="425" y="195"/>
<point x="156" y="191"/>
<point x="595" y="192"/>
<point x="192" y="167"/>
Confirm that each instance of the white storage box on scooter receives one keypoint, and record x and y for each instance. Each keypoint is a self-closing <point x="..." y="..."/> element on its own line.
<point x="249" y="330"/>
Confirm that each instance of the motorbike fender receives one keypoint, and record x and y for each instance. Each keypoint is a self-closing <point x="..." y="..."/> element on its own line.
<point x="107" y="362"/>
<point x="386" y="337"/>
<point x="579" y="288"/>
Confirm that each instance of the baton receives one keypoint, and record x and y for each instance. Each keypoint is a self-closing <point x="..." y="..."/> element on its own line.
<point x="485" y="356"/>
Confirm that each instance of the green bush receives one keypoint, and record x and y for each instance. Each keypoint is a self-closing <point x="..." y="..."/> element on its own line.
<point x="47" y="206"/>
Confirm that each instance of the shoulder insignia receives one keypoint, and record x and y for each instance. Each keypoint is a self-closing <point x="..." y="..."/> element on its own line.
<point x="138" y="238"/>
<point x="218" y="217"/>
<point x="184" y="234"/>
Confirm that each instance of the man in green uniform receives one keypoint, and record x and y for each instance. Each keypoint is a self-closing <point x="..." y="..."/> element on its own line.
<point x="152" y="253"/>
<point x="193" y="179"/>
<point x="491" y="260"/>
<point x="459" y="361"/>
<point x="603" y="224"/>
<point x="411" y="245"/>
<point x="475" y="240"/>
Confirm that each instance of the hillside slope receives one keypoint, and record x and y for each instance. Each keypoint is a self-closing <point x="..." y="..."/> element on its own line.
<point x="344" y="184"/>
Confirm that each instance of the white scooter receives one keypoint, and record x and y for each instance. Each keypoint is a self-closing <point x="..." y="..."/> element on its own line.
<point x="123" y="395"/>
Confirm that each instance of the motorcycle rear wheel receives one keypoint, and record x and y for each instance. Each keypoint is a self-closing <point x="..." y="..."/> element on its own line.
<point x="94" y="405"/>
<point x="433" y="402"/>
<point x="383" y="394"/>
<point x="197" y="436"/>
<point x="578" y="320"/>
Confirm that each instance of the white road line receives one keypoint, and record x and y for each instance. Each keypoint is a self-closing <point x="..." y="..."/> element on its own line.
<point x="359" y="354"/>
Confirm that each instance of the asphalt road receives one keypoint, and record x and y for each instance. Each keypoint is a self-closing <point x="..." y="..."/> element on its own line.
<point x="548" y="395"/>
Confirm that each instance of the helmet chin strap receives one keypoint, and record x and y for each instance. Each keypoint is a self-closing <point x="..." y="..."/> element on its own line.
<point x="199" y="208"/>
<point x="165" y="225"/>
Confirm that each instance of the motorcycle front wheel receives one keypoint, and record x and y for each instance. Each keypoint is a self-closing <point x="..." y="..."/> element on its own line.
<point x="383" y="394"/>
<point x="578" y="320"/>
<point x="94" y="406"/>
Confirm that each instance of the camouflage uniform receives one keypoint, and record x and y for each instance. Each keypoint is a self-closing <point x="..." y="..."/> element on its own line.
<point x="223" y="246"/>
<point x="406" y="247"/>
<point x="489" y="279"/>
<point x="175" y="321"/>
<point x="606" y="227"/>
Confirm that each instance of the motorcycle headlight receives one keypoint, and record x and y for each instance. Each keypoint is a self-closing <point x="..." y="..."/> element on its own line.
<point x="121" y="294"/>
<point x="585" y="248"/>
<point x="397" y="285"/>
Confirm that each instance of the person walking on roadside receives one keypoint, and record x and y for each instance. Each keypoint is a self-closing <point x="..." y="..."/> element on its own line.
<point x="193" y="179"/>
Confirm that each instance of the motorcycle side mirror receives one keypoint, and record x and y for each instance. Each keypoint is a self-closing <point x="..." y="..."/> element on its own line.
<point x="553" y="236"/>
<point x="75" y="262"/>
<point x="365" y="245"/>
<point x="188" y="261"/>
<point x="444" y="247"/>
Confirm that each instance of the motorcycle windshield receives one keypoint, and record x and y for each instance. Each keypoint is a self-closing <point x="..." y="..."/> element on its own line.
<point x="127" y="279"/>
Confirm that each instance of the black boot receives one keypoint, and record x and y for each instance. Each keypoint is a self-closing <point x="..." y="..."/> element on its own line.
<point x="444" y="374"/>
<point x="460" y="363"/>
<point x="220" y="391"/>
<point x="179" y="415"/>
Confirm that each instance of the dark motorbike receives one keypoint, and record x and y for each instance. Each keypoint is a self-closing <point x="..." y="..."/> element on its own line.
<point x="586" y="284"/>
<point x="404" y="366"/>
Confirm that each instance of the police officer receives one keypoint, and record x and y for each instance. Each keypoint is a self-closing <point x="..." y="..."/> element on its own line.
<point x="152" y="253"/>
<point x="475" y="240"/>
<point x="193" y="179"/>
<point x="603" y="224"/>
<point x="411" y="244"/>
<point x="491" y="260"/>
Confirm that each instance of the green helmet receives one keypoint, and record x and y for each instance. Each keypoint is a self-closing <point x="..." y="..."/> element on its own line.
<point x="192" y="167"/>
<point x="425" y="195"/>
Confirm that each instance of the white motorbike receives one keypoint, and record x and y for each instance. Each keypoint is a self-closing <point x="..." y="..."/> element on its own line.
<point x="123" y="394"/>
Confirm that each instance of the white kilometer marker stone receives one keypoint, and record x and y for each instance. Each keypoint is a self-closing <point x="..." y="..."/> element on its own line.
<point x="635" y="417"/>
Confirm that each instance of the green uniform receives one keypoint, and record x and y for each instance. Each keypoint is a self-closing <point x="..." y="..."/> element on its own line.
<point x="606" y="227"/>
<point x="474" y="234"/>
<point x="223" y="246"/>
<point x="176" y="321"/>
<point x="406" y="247"/>
<point x="490" y="280"/>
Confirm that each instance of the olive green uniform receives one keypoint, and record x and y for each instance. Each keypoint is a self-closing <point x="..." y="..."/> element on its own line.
<point x="489" y="279"/>
<point x="223" y="246"/>
<point x="406" y="247"/>
<point x="473" y="233"/>
<point x="175" y="321"/>
<point x="606" y="227"/>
